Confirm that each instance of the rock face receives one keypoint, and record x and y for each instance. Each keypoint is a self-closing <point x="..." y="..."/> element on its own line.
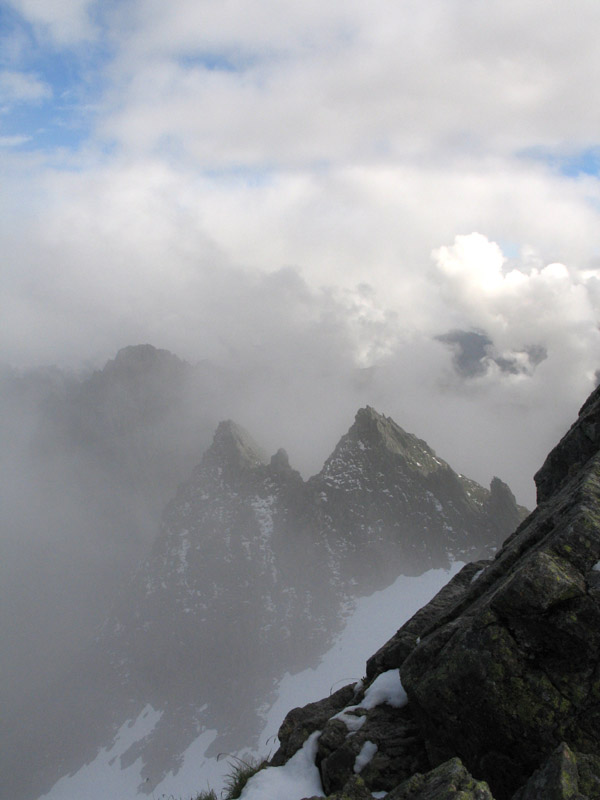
<point x="502" y="668"/>
<point x="391" y="506"/>
<point x="250" y="577"/>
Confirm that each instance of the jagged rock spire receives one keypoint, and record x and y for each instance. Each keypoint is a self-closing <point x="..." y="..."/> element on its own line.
<point x="381" y="431"/>
<point x="234" y="447"/>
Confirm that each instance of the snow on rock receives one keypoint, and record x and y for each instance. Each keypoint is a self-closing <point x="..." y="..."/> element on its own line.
<point x="297" y="779"/>
<point x="386" y="688"/>
<point x="352" y="721"/>
<point x="367" y="752"/>
<point x="373" y="621"/>
<point x="263" y="511"/>
<point x="477" y="574"/>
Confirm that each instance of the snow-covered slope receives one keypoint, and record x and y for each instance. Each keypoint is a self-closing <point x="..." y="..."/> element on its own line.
<point x="373" y="621"/>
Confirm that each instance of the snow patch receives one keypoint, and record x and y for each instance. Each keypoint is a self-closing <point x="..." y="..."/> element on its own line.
<point x="297" y="779"/>
<point x="196" y="773"/>
<point x="104" y="777"/>
<point x="262" y="507"/>
<point x="181" y="554"/>
<point x="386" y="688"/>
<point x="375" y="619"/>
<point x="477" y="574"/>
<point x="352" y="721"/>
<point x="372" y="621"/>
<point x="439" y="507"/>
<point x="367" y="752"/>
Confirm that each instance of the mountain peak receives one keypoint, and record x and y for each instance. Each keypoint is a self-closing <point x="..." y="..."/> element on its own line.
<point x="280" y="460"/>
<point x="376" y="430"/>
<point x="233" y="445"/>
<point x="368" y="412"/>
<point x="138" y="355"/>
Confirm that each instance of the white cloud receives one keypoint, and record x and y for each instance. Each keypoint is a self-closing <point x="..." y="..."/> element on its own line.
<point x="551" y="308"/>
<point x="22" y="87"/>
<point x="511" y="302"/>
<point x="346" y="81"/>
<point x="65" y="22"/>
<point x="13" y="141"/>
<point x="267" y="180"/>
<point x="474" y="262"/>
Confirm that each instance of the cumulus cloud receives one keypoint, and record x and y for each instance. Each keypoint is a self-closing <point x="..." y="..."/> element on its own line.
<point x="526" y="312"/>
<point x="527" y="335"/>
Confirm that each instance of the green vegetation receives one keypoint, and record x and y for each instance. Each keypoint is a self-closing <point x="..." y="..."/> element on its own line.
<point x="239" y="776"/>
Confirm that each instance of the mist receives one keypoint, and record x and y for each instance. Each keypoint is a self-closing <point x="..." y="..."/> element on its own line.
<point x="301" y="210"/>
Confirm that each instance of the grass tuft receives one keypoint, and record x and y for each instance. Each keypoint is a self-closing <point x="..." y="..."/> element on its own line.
<point x="240" y="774"/>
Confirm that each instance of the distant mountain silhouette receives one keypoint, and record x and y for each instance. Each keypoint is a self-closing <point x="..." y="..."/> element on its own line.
<point x="251" y="576"/>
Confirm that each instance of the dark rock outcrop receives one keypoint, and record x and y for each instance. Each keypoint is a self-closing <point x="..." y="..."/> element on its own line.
<point x="565" y="775"/>
<point x="502" y="668"/>
<point x="301" y="722"/>
<point x="576" y="447"/>
<point x="398" y="750"/>
<point x="449" y="781"/>
<point x="512" y="670"/>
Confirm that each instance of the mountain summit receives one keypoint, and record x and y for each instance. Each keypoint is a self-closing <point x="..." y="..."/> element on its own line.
<point x="252" y="575"/>
<point x="234" y="447"/>
<point x="400" y="509"/>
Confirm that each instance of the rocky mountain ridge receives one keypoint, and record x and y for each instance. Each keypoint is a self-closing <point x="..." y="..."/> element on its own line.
<point x="251" y="576"/>
<point x="501" y="669"/>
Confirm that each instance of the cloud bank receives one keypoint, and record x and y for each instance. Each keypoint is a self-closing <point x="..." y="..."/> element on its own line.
<point x="315" y="191"/>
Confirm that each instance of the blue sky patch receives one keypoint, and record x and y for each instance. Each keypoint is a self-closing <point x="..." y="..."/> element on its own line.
<point x="571" y="164"/>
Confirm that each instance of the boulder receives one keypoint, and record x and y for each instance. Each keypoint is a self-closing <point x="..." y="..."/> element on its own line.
<point x="299" y="723"/>
<point x="565" y="775"/>
<point x="385" y="750"/>
<point x="448" y="781"/>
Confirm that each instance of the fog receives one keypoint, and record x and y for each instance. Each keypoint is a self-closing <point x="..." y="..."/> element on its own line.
<point x="314" y="208"/>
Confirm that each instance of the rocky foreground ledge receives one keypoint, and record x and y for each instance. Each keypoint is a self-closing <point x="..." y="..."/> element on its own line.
<point x="501" y="669"/>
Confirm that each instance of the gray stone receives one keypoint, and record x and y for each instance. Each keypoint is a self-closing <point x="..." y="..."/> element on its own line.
<point x="299" y="723"/>
<point x="557" y="779"/>
<point x="449" y="781"/>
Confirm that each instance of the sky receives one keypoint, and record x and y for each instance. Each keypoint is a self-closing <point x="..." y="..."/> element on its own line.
<point x="410" y="190"/>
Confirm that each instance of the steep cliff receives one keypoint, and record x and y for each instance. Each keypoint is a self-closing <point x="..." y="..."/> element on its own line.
<point x="494" y="686"/>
